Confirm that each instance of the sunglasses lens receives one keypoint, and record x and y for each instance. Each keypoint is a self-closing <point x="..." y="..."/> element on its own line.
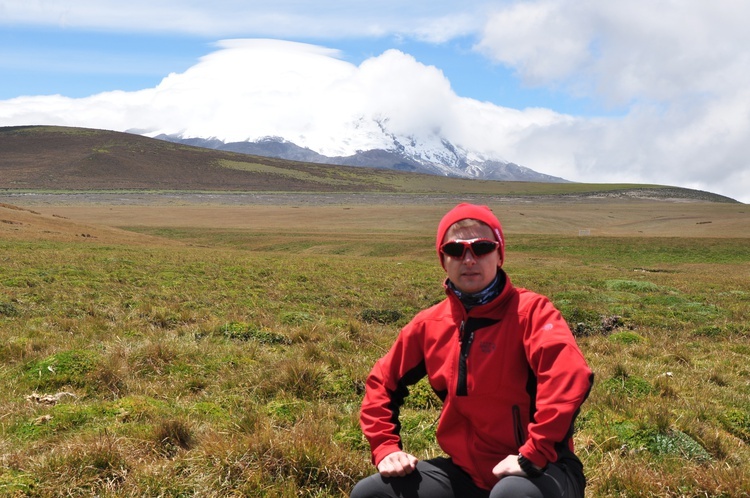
<point x="478" y="248"/>
<point x="482" y="247"/>
<point x="453" y="249"/>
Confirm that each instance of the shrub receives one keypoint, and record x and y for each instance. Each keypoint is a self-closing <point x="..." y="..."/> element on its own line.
<point x="631" y="286"/>
<point x="154" y="358"/>
<point x="15" y="482"/>
<point x="737" y="422"/>
<point x="586" y="323"/>
<point x="246" y="332"/>
<point x="67" y="368"/>
<point x="102" y="460"/>
<point x="173" y="434"/>
<point x="380" y="316"/>
<point x="8" y="309"/>
<point x="629" y="386"/>
<point x="302" y="379"/>
<point x="626" y="337"/>
<point x="710" y="331"/>
<point x="422" y="396"/>
<point x="295" y="318"/>
<point x="286" y="411"/>
<point x="669" y="442"/>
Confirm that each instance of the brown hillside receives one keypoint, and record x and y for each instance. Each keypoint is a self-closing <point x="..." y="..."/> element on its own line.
<point x="60" y="158"/>
<point x="54" y="158"/>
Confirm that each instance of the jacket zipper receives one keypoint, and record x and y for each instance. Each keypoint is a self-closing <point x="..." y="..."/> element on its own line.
<point x="463" y="356"/>
<point x="517" y="427"/>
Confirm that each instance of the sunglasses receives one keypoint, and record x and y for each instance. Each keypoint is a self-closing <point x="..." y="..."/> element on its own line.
<point x="478" y="247"/>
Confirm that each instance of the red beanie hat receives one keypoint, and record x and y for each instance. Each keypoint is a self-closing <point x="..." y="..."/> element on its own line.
<point x="471" y="211"/>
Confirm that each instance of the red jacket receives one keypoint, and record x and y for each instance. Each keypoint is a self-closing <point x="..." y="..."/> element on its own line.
<point x="509" y="373"/>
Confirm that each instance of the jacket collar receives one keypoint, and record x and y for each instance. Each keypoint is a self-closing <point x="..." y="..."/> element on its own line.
<point x="493" y="308"/>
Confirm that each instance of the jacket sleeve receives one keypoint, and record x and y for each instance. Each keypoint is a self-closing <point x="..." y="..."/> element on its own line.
<point x="385" y="390"/>
<point x="564" y="381"/>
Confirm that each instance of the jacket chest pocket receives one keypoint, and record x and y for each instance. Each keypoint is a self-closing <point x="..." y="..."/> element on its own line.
<point x="491" y="373"/>
<point x="478" y="352"/>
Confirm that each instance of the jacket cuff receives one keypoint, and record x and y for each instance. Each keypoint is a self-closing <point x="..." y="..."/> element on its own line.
<point x="383" y="451"/>
<point x="535" y="457"/>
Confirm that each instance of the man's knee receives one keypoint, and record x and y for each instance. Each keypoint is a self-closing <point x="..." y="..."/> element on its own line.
<point x="366" y="488"/>
<point x="427" y="481"/>
<point x="515" y="487"/>
<point x="376" y="486"/>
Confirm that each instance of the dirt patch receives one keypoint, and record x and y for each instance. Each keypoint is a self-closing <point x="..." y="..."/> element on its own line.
<point x="24" y="224"/>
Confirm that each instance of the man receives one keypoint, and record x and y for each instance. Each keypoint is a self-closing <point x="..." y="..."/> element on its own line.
<point x="509" y="373"/>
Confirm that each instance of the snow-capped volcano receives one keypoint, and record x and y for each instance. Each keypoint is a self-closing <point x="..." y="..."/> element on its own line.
<point x="388" y="112"/>
<point x="374" y="145"/>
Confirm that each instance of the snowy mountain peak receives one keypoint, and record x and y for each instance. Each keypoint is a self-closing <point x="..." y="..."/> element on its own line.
<point x="373" y="143"/>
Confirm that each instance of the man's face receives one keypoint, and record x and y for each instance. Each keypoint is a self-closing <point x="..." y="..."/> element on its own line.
<point x="471" y="274"/>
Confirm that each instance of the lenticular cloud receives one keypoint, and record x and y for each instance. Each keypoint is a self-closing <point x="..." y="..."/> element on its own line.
<point x="250" y="89"/>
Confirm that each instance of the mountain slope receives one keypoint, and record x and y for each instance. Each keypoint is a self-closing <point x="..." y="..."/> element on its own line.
<point x="85" y="159"/>
<point x="78" y="159"/>
<point x="442" y="158"/>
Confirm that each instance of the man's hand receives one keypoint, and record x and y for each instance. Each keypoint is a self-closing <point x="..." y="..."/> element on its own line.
<point x="508" y="467"/>
<point x="397" y="464"/>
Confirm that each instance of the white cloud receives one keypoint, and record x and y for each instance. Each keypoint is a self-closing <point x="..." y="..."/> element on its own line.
<point x="436" y="20"/>
<point x="680" y="70"/>
<point x="632" y="51"/>
<point x="538" y="40"/>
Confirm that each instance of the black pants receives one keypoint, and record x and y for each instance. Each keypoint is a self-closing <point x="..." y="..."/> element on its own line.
<point x="441" y="478"/>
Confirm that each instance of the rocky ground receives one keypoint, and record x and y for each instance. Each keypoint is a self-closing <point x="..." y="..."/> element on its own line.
<point x="347" y="198"/>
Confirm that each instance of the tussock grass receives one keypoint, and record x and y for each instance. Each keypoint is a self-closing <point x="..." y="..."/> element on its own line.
<point x="229" y="371"/>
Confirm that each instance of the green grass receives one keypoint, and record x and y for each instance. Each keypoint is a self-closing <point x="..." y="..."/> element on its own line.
<point x="235" y="366"/>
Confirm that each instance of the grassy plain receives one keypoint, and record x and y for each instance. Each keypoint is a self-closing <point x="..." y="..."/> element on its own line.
<point x="214" y="350"/>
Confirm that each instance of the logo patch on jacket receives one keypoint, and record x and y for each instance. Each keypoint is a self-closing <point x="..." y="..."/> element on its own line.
<point x="487" y="347"/>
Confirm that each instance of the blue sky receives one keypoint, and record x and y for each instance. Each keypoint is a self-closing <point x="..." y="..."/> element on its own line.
<point x="46" y="60"/>
<point x="651" y="91"/>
